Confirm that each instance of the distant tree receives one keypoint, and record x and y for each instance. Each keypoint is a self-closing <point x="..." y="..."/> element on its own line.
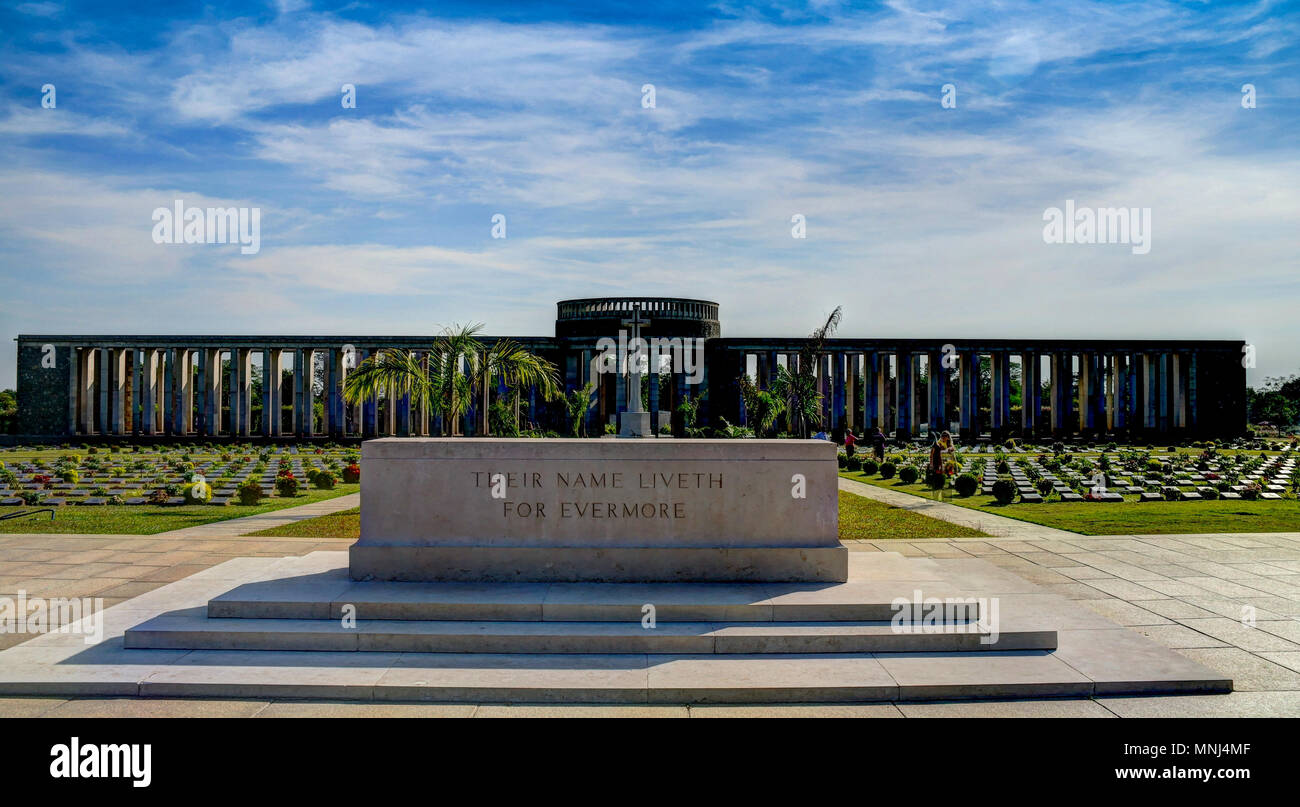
<point x="459" y="365"/>
<point x="577" y="402"/>
<point x="1276" y="401"/>
<point x="801" y="400"/>
<point x="762" y="407"/>
<point x="8" y="411"/>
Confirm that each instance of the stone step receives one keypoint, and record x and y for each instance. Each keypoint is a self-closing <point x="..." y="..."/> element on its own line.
<point x="188" y="631"/>
<point x="616" y="678"/>
<point x="327" y="596"/>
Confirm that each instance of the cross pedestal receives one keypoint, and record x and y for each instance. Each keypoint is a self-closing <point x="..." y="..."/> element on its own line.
<point x="635" y="422"/>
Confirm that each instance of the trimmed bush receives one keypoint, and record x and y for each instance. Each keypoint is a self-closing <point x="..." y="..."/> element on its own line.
<point x="1044" y="486"/>
<point x="1004" y="491"/>
<point x="352" y="473"/>
<point x="286" y="485"/>
<point x="966" y="485"/>
<point x="842" y="459"/>
<point x="853" y="463"/>
<point x="324" y="480"/>
<point x="250" y="492"/>
<point x="197" y="493"/>
<point x="869" y="467"/>
<point x="908" y="474"/>
<point x="888" y="470"/>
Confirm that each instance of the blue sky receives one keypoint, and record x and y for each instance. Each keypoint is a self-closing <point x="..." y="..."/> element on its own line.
<point x="921" y="220"/>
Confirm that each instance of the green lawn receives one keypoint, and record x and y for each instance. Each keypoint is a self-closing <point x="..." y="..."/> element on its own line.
<point x="1129" y="518"/>
<point x="343" y="524"/>
<point x="149" y="519"/>
<point x="860" y="519"/>
<point x="864" y="519"/>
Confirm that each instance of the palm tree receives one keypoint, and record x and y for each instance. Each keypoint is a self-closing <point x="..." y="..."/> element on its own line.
<point x="798" y="387"/>
<point x="762" y="406"/>
<point x="444" y="386"/>
<point x="509" y="363"/>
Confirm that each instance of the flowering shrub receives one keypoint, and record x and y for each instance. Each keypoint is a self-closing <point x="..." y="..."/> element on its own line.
<point x="324" y="480"/>
<point x="352" y="474"/>
<point x="286" y="485"/>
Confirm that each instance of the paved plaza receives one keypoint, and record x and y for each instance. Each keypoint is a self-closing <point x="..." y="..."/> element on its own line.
<point x="1191" y="593"/>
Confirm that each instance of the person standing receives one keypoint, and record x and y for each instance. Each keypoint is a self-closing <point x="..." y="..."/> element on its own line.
<point x="878" y="444"/>
<point x="849" y="442"/>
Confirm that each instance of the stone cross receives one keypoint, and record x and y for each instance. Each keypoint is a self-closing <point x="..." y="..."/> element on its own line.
<point x="634" y="370"/>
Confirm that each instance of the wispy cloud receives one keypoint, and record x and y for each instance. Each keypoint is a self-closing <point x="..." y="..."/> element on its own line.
<point x="921" y="219"/>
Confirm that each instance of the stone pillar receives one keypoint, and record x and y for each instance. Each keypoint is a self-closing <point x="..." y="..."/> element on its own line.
<point x="851" y="409"/>
<point x="187" y="391"/>
<point x="149" y="391"/>
<point x="201" y="421"/>
<point x="1087" y="381"/>
<point x="118" y="384"/>
<point x="297" y="418"/>
<point x="277" y="391"/>
<point x="870" y="391"/>
<point x="824" y="387"/>
<point x="171" y="391"/>
<point x="403" y="405"/>
<point x="999" y="409"/>
<point x="370" y="408"/>
<point x="1192" y="401"/>
<point x="1030" y="392"/>
<point x="242" y="391"/>
<point x="335" y="375"/>
<point x="136" y="357"/>
<point x="904" y="395"/>
<point x="232" y="395"/>
<point x="85" y="389"/>
<point x="1177" y="396"/>
<point x="1062" y="388"/>
<point x="1112" y="371"/>
<point x="653" y="379"/>
<point x="269" y="378"/>
<point x="838" y="391"/>
<point x="234" y="404"/>
<point x="1163" y="402"/>
<point x="1150" y="392"/>
<point x="180" y="383"/>
<point x="104" y="385"/>
<point x="1132" y="392"/>
<point x="938" y="393"/>
<point x="210" y="373"/>
<point x="968" y="395"/>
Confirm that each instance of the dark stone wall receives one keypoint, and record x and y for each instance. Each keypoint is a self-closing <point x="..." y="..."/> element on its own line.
<point x="43" y="392"/>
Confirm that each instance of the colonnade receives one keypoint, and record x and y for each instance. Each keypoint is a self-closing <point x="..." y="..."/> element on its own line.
<point x="970" y="391"/>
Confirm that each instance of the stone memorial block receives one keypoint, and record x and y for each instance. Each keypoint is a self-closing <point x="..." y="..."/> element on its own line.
<point x="615" y="510"/>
